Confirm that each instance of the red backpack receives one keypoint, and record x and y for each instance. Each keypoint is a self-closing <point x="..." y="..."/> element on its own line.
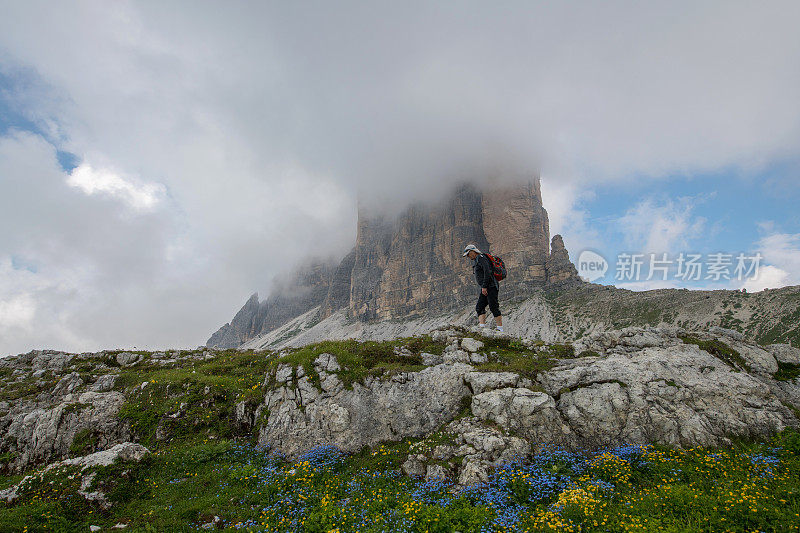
<point x="498" y="267"/>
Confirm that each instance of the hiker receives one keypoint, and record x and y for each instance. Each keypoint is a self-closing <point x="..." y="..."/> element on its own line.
<point x="484" y="275"/>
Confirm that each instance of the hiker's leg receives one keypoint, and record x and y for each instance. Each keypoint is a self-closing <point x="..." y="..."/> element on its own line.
<point x="480" y="308"/>
<point x="494" y="306"/>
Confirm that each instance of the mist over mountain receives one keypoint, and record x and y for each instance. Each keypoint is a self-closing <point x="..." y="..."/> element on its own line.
<point x="161" y="161"/>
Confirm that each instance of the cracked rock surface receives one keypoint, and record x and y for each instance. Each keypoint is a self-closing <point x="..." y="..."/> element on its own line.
<point x="476" y="409"/>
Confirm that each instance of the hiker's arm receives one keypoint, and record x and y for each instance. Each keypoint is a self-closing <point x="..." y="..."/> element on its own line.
<point x="487" y="273"/>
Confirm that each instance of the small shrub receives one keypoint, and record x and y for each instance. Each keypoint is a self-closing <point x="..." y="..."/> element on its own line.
<point x="516" y="345"/>
<point x="425" y="344"/>
<point x="84" y="442"/>
<point x="7" y="457"/>
<point x="789" y="441"/>
<point x="72" y="407"/>
<point x="497" y="343"/>
<point x="563" y="351"/>
<point x="124" y="481"/>
<point x="787" y="371"/>
<point x="465" y="406"/>
<point x="720" y="350"/>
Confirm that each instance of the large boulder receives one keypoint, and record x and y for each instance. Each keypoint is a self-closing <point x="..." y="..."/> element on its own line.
<point x="484" y="381"/>
<point x="676" y="394"/>
<point x="126" y="451"/>
<point x="785" y="353"/>
<point x="38" y="435"/>
<point x="408" y="404"/>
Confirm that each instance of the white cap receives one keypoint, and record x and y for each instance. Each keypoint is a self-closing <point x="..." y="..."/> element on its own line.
<point x="470" y="248"/>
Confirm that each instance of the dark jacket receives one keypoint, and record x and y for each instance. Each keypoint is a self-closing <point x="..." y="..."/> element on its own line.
<point x="483" y="272"/>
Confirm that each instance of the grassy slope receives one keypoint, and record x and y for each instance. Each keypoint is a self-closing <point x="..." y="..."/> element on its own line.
<point x="204" y="465"/>
<point x="767" y="317"/>
<point x="749" y="487"/>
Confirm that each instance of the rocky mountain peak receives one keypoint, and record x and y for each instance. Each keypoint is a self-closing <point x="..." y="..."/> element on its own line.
<point x="411" y="265"/>
<point x="559" y="268"/>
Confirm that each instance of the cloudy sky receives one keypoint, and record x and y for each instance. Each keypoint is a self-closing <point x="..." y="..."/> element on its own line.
<point x="160" y="161"/>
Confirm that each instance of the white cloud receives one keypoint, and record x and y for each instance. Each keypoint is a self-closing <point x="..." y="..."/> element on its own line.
<point x="90" y="276"/>
<point x="263" y="120"/>
<point x="649" y="285"/>
<point x="140" y="196"/>
<point x="17" y="312"/>
<point x="669" y="227"/>
<point x="769" y="277"/>
<point x="781" y="261"/>
<point x="563" y="199"/>
<point x="783" y="250"/>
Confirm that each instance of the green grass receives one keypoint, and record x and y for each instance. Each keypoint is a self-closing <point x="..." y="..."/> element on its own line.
<point x="528" y="367"/>
<point x="205" y="465"/>
<point x="787" y="372"/>
<point x="229" y="369"/>
<point x="562" y="351"/>
<point x="7" y="457"/>
<point x="510" y="355"/>
<point x="720" y="350"/>
<point x="209" y="389"/>
<point x="360" y="359"/>
<point x="84" y="442"/>
<point x="28" y="387"/>
<point x="161" y="413"/>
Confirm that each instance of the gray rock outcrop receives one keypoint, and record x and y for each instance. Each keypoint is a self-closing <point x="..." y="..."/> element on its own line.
<point x="477" y="404"/>
<point x="126" y="451"/>
<point x="409" y="404"/>
<point x="785" y="353"/>
<point x="38" y="435"/>
<point x="649" y="386"/>
<point x="559" y="268"/>
<point x="643" y="385"/>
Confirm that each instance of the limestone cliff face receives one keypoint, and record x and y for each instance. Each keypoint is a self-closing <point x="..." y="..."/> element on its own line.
<point x="518" y="230"/>
<point x="414" y="266"/>
<point x="414" y="263"/>
<point x="411" y="265"/>
<point x="308" y="288"/>
<point x="237" y="330"/>
<point x="338" y="295"/>
<point x="559" y="268"/>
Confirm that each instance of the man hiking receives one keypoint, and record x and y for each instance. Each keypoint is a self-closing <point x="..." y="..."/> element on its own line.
<point x="484" y="275"/>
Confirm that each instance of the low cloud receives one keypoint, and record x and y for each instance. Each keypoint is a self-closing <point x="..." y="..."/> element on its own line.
<point x="139" y="196"/>
<point x="769" y="277"/>
<point x="781" y="261"/>
<point x="17" y="312"/>
<point x="666" y="227"/>
<point x="222" y="146"/>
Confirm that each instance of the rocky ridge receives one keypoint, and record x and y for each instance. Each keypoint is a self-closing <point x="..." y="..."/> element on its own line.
<point x="565" y="313"/>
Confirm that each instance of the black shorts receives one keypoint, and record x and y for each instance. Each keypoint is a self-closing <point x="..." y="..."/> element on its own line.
<point x="491" y="299"/>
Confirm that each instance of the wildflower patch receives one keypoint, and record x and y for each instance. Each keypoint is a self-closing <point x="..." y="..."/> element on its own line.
<point x="630" y="488"/>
